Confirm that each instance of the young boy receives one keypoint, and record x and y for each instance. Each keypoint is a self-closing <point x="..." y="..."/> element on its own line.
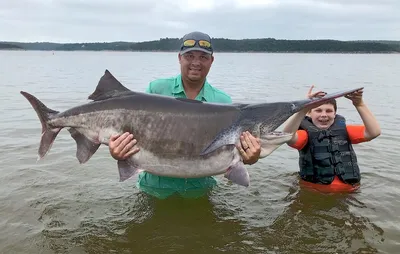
<point x="327" y="160"/>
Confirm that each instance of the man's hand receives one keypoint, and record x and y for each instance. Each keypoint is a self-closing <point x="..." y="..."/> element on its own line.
<point x="250" y="148"/>
<point x="121" y="146"/>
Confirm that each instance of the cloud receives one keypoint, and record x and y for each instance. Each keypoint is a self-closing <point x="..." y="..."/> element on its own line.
<point x="141" y="20"/>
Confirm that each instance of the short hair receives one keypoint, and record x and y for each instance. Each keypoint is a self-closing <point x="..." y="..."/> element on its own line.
<point x="332" y="102"/>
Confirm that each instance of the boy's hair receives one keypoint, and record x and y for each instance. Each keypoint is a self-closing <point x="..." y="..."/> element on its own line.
<point x="332" y="101"/>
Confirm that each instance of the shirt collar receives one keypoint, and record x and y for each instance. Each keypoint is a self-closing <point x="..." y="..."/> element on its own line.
<point x="204" y="94"/>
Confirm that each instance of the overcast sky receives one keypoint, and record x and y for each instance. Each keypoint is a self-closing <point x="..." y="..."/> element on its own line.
<point x="142" y="20"/>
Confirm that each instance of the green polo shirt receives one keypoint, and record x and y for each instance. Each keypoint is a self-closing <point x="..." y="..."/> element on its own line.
<point x="163" y="187"/>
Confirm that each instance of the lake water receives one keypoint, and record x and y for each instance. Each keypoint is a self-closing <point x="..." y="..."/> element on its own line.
<point x="58" y="206"/>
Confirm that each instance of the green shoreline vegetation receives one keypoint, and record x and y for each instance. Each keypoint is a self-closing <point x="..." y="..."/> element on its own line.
<point x="8" y="46"/>
<point x="220" y="45"/>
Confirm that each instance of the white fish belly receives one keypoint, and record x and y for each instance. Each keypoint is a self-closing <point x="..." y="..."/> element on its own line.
<point x="182" y="168"/>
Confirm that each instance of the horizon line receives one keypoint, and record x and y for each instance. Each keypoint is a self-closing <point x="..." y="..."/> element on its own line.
<point x="213" y="38"/>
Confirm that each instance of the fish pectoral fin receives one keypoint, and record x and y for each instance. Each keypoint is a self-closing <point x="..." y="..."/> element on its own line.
<point x="225" y="137"/>
<point x="126" y="170"/>
<point x="238" y="174"/>
<point x="85" y="148"/>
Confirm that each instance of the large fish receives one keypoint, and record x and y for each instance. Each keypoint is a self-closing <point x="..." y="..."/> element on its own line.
<point x="177" y="137"/>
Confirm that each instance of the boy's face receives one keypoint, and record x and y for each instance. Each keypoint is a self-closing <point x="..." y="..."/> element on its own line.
<point x="323" y="116"/>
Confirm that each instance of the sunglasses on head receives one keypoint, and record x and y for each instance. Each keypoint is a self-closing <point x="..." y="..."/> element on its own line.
<point x="202" y="43"/>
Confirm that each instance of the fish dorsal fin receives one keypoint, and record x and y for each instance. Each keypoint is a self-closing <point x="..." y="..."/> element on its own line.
<point x="109" y="87"/>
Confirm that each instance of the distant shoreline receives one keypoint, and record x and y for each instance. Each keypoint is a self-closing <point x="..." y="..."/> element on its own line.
<point x="220" y="45"/>
<point x="215" y="52"/>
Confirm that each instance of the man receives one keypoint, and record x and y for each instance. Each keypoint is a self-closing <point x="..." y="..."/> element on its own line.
<point x="195" y="58"/>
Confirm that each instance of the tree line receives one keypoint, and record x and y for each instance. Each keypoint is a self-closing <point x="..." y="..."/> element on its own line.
<point x="222" y="45"/>
<point x="9" y="46"/>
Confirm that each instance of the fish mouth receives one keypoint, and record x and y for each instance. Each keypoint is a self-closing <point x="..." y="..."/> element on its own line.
<point x="273" y="134"/>
<point x="278" y="137"/>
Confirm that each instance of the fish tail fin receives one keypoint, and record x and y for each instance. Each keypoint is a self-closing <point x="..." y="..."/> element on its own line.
<point x="44" y="113"/>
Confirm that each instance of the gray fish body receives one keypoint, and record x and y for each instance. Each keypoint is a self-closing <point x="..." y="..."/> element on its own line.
<point x="171" y="133"/>
<point x="177" y="137"/>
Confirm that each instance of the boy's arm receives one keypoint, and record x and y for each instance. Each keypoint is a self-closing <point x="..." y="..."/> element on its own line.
<point x="292" y="125"/>
<point x="301" y="140"/>
<point x="372" y="128"/>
